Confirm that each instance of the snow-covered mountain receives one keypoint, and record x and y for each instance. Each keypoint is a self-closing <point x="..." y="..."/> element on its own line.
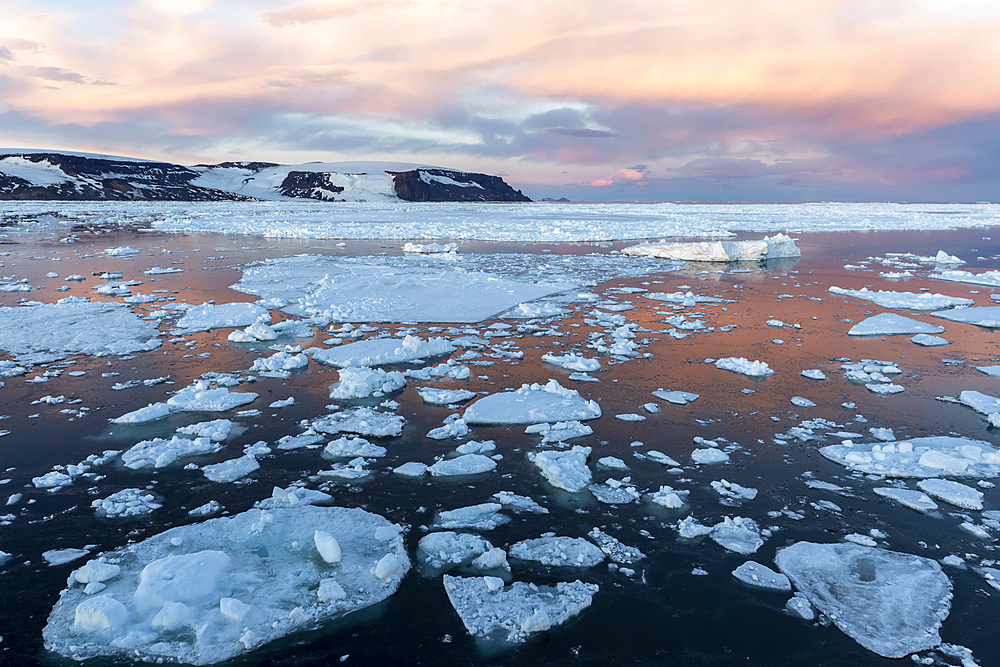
<point x="32" y="174"/>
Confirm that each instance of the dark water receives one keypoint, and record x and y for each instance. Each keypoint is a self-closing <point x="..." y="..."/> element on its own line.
<point x="665" y="614"/>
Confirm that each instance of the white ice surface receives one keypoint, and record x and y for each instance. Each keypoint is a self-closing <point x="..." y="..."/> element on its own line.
<point x="558" y="551"/>
<point x="953" y="493"/>
<point x="532" y="404"/>
<point x="364" y="382"/>
<point x="221" y="315"/>
<point x="744" y="366"/>
<point x="48" y="332"/>
<point x="466" y="464"/>
<point x="915" y="500"/>
<point x="755" y="574"/>
<point x="890" y="324"/>
<point x="983" y="316"/>
<point x="906" y="300"/>
<point x="778" y="246"/>
<point x="930" y="456"/>
<point x="433" y="396"/>
<point x="362" y="421"/>
<point x="891" y="603"/>
<point x="513" y="613"/>
<point x="165" y="604"/>
<point x="566" y="469"/>
<point x="379" y="351"/>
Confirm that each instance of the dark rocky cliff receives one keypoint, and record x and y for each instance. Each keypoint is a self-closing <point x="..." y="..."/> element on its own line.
<point x="445" y="185"/>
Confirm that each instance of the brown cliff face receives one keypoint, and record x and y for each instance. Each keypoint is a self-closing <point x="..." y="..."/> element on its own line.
<point x="442" y="185"/>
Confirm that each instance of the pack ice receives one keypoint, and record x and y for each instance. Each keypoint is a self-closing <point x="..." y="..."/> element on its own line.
<point x="771" y="247"/>
<point x="889" y="602"/>
<point x="532" y="404"/>
<point x="43" y="332"/>
<point x="931" y="456"/>
<point x="207" y="592"/>
<point x="512" y="613"/>
<point x="907" y="300"/>
<point x="379" y="351"/>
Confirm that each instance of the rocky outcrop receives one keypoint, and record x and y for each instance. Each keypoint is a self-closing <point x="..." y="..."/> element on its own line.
<point x="447" y="185"/>
<point x="309" y="185"/>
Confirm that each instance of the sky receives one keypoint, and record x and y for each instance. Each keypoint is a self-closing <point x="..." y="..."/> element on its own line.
<point x="667" y="100"/>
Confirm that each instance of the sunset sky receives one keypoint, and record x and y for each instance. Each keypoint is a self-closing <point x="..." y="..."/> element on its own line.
<point x="677" y="100"/>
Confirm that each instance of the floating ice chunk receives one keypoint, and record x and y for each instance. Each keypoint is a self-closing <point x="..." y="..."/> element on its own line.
<point x="411" y="469"/>
<point x="992" y="371"/>
<point x="981" y="403"/>
<point x="430" y="248"/>
<point x="662" y="458"/>
<point x="566" y="470"/>
<point x="362" y="421"/>
<point x="122" y="251"/>
<point x="709" y="455"/>
<point x="891" y="603"/>
<point x="448" y="369"/>
<point x="953" y="493"/>
<point x="365" y="382"/>
<point x="612" y="463"/>
<point x="932" y="456"/>
<point x="688" y="298"/>
<point x="512" y="613"/>
<point x="755" y="574"/>
<point x="158" y="452"/>
<point x="200" y="398"/>
<point x="454" y="427"/>
<point x="558" y="551"/>
<point x="929" y="341"/>
<point x="466" y="464"/>
<point x="689" y="528"/>
<point x="613" y="548"/>
<point x="327" y="546"/>
<point x="216" y="429"/>
<point x="733" y="492"/>
<point x="614" y="492"/>
<point x="801" y="402"/>
<point x="379" y="351"/>
<point x="484" y="516"/>
<point x="151" y="412"/>
<point x="231" y="470"/>
<point x="221" y="315"/>
<point x="572" y="362"/>
<point x="915" y="500"/>
<point x="814" y="374"/>
<point x="890" y="324"/>
<point x="744" y="366"/>
<point x="774" y="247"/>
<point x="477" y="447"/>
<point x="884" y="389"/>
<point x="434" y="396"/>
<point x="447" y="548"/>
<point x="257" y="331"/>
<point x="517" y="503"/>
<point x="96" y="570"/>
<point x="52" y="480"/>
<point x="983" y="316"/>
<point x="907" y="300"/>
<point x="535" y="310"/>
<point x="669" y="497"/>
<point x="737" y="534"/>
<point x="559" y="431"/>
<point x="126" y="503"/>
<point x="40" y="332"/>
<point x="531" y="404"/>
<point x="63" y="556"/>
<point x="225" y="594"/>
<point x="987" y="278"/>
<point x="346" y="447"/>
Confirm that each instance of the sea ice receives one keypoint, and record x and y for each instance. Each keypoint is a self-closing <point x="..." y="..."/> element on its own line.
<point x="362" y="421"/>
<point x="433" y="396"/>
<point x="210" y="591"/>
<point x="891" y="603"/>
<point x="559" y="431"/>
<point x="159" y="452"/>
<point x="762" y="576"/>
<point x="379" y="351"/>
<point x="983" y="316"/>
<point x="221" y="315"/>
<point x="531" y="404"/>
<point x="890" y="324"/>
<point x="232" y="469"/>
<point x="915" y="500"/>
<point x="125" y="503"/>
<point x="986" y="278"/>
<point x="929" y="341"/>
<point x="566" y="469"/>
<point x="365" y="382"/>
<point x="447" y="548"/>
<point x="484" y="516"/>
<point x="349" y="448"/>
<point x="558" y="551"/>
<point x="466" y="464"/>
<point x="931" y="456"/>
<point x="738" y="534"/>
<point x="744" y="366"/>
<point x="953" y="493"/>
<point x="572" y="362"/>
<point x="43" y="332"/>
<point x="676" y="397"/>
<point x="771" y="247"/>
<point x="907" y="300"/>
<point x="513" y="613"/>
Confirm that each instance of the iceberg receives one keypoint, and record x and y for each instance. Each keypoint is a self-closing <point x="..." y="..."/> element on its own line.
<point x="891" y="603"/>
<point x="380" y="351"/>
<point x="221" y="315"/>
<point x="983" y="316"/>
<point x="890" y="324"/>
<point x="532" y="404"/>
<point x="566" y="470"/>
<point x="771" y="247"/>
<point x="558" y="551"/>
<point x="905" y="300"/>
<point x="211" y="591"/>
<point x="931" y="456"/>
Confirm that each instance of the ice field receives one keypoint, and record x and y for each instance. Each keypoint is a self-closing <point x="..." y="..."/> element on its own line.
<point x="499" y="434"/>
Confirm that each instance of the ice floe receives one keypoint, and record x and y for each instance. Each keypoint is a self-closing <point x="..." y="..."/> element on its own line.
<point x="953" y="493"/>
<point x="531" y="404"/>
<point x="362" y="421"/>
<point x="755" y="574"/>
<point x="466" y="464"/>
<point x="433" y="396"/>
<point x="564" y="469"/>
<point x="210" y="591"/>
<point x="930" y="456"/>
<point x="903" y="300"/>
<point x="512" y="613"/>
<point x="983" y="316"/>
<point x="558" y="551"/>
<point x="743" y="366"/>
<point x="890" y="324"/>
<point x="915" y="500"/>
<point x="220" y="316"/>
<point x="380" y="351"/>
<point x="891" y="603"/>
<point x="365" y="382"/>
<point x="771" y="247"/>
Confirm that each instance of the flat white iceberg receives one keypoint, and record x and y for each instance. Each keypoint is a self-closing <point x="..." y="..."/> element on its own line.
<point x="234" y="580"/>
<point x="566" y="470"/>
<point x="512" y="613"/>
<point x="890" y="324"/>
<point x="40" y="333"/>
<point x="929" y="341"/>
<point x="362" y="421"/>
<point x="558" y="551"/>
<point x="466" y="464"/>
<point x="160" y="452"/>
<point x="983" y="316"/>
<point x="676" y="397"/>
<point x="915" y="500"/>
<point x="559" y="431"/>
<point x="365" y="382"/>
<point x="446" y="548"/>
<point x="221" y="315"/>
<point x="771" y="247"/>
<point x="232" y="469"/>
<point x="891" y="603"/>
<point x="737" y="534"/>
<point x="907" y="300"/>
<point x="953" y="493"/>
<point x="380" y="351"/>
<point x="986" y="278"/>
<point x="572" y="362"/>
<point x="532" y="404"/>
<point x="433" y="396"/>
<point x="931" y="456"/>
<point x="744" y="366"/>
<point x="755" y="574"/>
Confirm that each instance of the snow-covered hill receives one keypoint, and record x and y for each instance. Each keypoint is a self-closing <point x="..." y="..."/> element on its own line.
<point x="33" y="174"/>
